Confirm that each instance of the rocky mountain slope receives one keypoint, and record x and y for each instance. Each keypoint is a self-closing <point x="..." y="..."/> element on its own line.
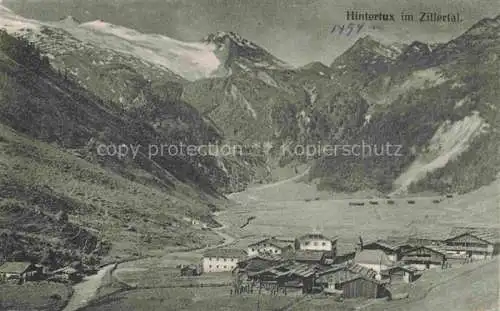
<point x="437" y="101"/>
<point x="440" y="103"/>
<point x="435" y="104"/>
<point x="58" y="194"/>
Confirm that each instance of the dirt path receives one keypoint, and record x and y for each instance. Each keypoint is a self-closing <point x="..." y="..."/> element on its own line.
<point x="85" y="291"/>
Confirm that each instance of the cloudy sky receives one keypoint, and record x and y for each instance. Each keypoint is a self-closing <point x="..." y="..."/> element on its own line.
<point x="297" y="31"/>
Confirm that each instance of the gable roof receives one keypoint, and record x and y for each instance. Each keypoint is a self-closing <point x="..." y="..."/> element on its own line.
<point x="491" y="235"/>
<point x="364" y="271"/>
<point x="320" y="236"/>
<point x="431" y="248"/>
<point x="265" y="257"/>
<point x="273" y="241"/>
<point x="15" y="267"/>
<point x="409" y="269"/>
<point x="392" y="246"/>
<point x="372" y="256"/>
<point x="225" y="253"/>
<point x="287" y="269"/>
<point x="342" y="272"/>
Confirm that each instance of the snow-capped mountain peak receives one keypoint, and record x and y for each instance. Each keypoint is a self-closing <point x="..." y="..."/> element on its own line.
<point x="221" y="37"/>
<point x="238" y="53"/>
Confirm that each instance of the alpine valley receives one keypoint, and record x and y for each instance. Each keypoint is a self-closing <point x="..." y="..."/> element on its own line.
<point x="68" y="87"/>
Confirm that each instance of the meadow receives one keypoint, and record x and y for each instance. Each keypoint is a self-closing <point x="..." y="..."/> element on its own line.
<point x="278" y="212"/>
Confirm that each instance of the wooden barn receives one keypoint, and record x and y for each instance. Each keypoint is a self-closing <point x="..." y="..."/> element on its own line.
<point x="361" y="286"/>
<point x="259" y="262"/>
<point x="401" y="274"/>
<point x="392" y="249"/>
<point x="288" y="274"/>
<point x="472" y="243"/>
<point x="333" y="277"/>
<point x="424" y="257"/>
<point x="310" y="257"/>
<point x="270" y="246"/>
<point x="18" y="271"/>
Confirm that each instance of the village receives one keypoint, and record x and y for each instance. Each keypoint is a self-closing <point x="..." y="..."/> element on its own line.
<point x="20" y="272"/>
<point x="311" y="264"/>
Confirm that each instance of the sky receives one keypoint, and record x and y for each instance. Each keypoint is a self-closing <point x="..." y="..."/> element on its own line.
<point x="297" y="31"/>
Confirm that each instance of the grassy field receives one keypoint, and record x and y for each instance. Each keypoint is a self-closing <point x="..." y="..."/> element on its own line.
<point x="470" y="287"/>
<point x="42" y="296"/>
<point x="181" y="299"/>
<point x="165" y="277"/>
<point x="335" y="217"/>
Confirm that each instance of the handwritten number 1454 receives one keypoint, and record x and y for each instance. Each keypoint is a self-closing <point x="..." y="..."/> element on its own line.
<point x="347" y="30"/>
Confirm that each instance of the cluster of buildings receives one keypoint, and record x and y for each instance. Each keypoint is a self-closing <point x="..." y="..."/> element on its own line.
<point x="311" y="262"/>
<point x="19" y="272"/>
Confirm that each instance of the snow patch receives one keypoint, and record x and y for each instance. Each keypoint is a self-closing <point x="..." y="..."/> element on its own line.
<point x="13" y="23"/>
<point x="368" y="118"/>
<point x="427" y="78"/>
<point x="221" y="165"/>
<point x="449" y="141"/>
<point x="461" y="102"/>
<point x="388" y="52"/>
<point x="267" y="79"/>
<point x="192" y="60"/>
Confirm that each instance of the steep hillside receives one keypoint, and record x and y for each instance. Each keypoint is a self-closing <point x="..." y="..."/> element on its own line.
<point x="440" y="104"/>
<point x="137" y="86"/>
<point x="58" y="193"/>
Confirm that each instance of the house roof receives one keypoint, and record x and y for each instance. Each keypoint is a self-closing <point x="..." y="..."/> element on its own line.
<point x="409" y="269"/>
<point x="225" y="253"/>
<point x="306" y="255"/>
<point x="491" y="235"/>
<point x="393" y="246"/>
<point x="288" y="239"/>
<point x="364" y="271"/>
<point x="431" y="248"/>
<point x="266" y="257"/>
<point x="354" y="267"/>
<point x="288" y="269"/>
<point x="372" y="256"/>
<point x="15" y="267"/>
<point x="316" y="236"/>
<point x="334" y="268"/>
<point x="273" y="241"/>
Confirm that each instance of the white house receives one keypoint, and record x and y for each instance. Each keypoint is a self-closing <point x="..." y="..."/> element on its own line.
<point x="271" y="246"/>
<point x="316" y="242"/>
<point x="221" y="260"/>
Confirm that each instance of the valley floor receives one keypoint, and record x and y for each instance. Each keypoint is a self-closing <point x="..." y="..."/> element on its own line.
<point x="155" y="283"/>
